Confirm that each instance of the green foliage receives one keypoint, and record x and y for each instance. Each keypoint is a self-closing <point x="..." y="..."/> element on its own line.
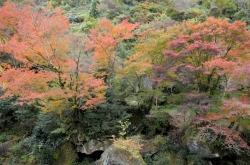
<point x="164" y="157"/>
<point x="145" y="12"/>
<point x="191" y="13"/>
<point x="58" y="131"/>
<point x="10" y="113"/>
<point x="129" y="2"/>
<point x="3" y="138"/>
<point x="76" y="16"/>
<point x="205" y="3"/>
<point x="172" y="153"/>
<point x="161" y="159"/>
<point x="7" y="110"/>
<point x="2" y="2"/>
<point x="196" y="159"/>
<point x="42" y="141"/>
<point x="225" y="4"/>
<point x="113" y="13"/>
<point x="104" y="121"/>
<point x="215" y="12"/>
<point x="159" y="141"/>
<point x="21" y="153"/>
<point x="177" y="15"/>
<point x="125" y="48"/>
<point x="124" y="126"/>
<point x="244" y="127"/>
<point x="45" y="154"/>
<point x="65" y="154"/>
<point x="199" y="10"/>
<point x="156" y="124"/>
<point x="116" y="116"/>
<point x="27" y="114"/>
<point x="71" y="3"/>
<point x="88" y="24"/>
<point x="93" y="12"/>
<point x="176" y="99"/>
<point x="148" y="94"/>
<point x="148" y="160"/>
<point x="240" y="15"/>
<point x="66" y="7"/>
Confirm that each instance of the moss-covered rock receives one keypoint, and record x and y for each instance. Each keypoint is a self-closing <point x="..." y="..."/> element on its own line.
<point x="93" y="145"/>
<point x="120" y="155"/>
<point x="150" y="147"/>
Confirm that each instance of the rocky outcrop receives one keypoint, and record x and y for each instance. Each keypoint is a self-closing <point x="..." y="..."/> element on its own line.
<point x="147" y="83"/>
<point x="116" y="155"/>
<point x="148" y="148"/>
<point x="152" y="146"/>
<point x="93" y="145"/>
<point x="4" y="148"/>
<point x="196" y="148"/>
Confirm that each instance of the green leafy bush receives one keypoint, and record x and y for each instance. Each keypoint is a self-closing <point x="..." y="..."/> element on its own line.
<point x="156" y="124"/>
<point x="3" y="138"/>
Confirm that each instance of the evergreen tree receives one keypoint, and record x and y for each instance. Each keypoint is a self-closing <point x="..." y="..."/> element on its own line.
<point x="93" y="12"/>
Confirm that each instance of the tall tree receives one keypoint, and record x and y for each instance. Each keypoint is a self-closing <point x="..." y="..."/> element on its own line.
<point x="204" y="54"/>
<point x="50" y="70"/>
<point x="104" y="39"/>
<point x="93" y="12"/>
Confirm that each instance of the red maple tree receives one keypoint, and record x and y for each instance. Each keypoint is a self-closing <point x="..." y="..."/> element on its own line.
<point x="104" y="39"/>
<point x="205" y="54"/>
<point x="47" y="68"/>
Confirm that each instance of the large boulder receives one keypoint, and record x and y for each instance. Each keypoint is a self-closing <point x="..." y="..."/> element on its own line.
<point x="132" y="101"/>
<point x="93" y="145"/>
<point x="196" y="148"/>
<point x="150" y="147"/>
<point x="117" y="155"/>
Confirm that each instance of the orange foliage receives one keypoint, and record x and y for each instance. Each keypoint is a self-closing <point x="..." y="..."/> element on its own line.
<point x="25" y="83"/>
<point x="39" y="36"/>
<point x="231" y="109"/>
<point x="104" y="40"/>
<point x="8" y="21"/>
<point x="48" y="71"/>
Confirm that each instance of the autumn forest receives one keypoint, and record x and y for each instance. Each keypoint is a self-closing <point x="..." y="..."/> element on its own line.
<point x="125" y="82"/>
